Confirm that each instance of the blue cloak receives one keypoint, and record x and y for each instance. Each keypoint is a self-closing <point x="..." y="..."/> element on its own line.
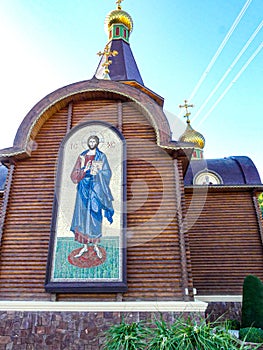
<point x="93" y="196"/>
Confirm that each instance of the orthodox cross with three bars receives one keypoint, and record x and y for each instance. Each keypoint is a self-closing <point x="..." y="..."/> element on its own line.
<point x="118" y="2"/>
<point x="107" y="53"/>
<point x="186" y="106"/>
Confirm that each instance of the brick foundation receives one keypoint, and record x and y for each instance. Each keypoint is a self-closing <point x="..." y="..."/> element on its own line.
<point x="65" y="330"/>
<point x="224" y="310"/>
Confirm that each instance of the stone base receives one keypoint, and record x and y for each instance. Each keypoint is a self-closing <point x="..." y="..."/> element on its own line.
<point x="224" y="311"/>
<point x="27" y="329"/>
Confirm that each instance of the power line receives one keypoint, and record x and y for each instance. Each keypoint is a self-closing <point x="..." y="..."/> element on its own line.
<point x="228" y="70"/>
<point x="251" y="58"/>
<point x="220" y="49"/>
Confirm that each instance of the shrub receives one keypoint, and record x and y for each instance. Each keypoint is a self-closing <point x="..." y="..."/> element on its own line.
<point x="252" y="305"/>
<point x="193" y="335"/>
<point x="233" y="324"/>
<point x="181" y="335"/>
<point x="125" y="336"/>
<point x="162" y="336"/>
<point x="251" y="334"/>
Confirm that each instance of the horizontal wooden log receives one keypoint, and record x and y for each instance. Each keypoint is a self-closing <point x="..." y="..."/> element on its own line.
<point x="224" y="241"/>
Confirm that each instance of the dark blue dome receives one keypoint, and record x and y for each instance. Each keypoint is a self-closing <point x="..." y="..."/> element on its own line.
<point x="233" y="171"/>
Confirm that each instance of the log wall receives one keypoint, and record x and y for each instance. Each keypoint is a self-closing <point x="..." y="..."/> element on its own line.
<point x="27" y="226"/>
<point x="153" y="256"/>
<point x="225" y="241"/>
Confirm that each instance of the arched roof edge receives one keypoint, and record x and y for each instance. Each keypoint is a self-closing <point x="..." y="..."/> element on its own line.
<point x="23" y="140"/>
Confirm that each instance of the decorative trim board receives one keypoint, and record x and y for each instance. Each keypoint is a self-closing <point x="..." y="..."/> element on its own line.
<point x="141" y="306"/>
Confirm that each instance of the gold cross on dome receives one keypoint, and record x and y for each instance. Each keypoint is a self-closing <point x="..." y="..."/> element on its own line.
<point x="118" y="2"/>
<point x="186" y="106"/>
<point x="107" y="53"/>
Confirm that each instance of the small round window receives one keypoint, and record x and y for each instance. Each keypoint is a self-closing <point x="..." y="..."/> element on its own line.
<point x="207" y="178"/>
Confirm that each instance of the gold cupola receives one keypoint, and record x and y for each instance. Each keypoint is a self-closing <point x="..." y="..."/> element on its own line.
<point x="192" y="136"/>
<point x="118" y="17"/>
<point x="117" y="61"/>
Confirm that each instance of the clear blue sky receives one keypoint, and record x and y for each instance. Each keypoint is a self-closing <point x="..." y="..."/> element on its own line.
<point x="209" y="50"/>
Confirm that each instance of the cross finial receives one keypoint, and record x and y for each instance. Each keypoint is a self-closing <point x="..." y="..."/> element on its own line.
<point x="118" y="2"/>
<point x="107" y="53"/>
<point x="187" y="114"/>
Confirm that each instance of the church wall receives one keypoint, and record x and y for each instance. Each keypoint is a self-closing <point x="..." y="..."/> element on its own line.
<point x="154" y="260"/>
<point x="27" y="226"/>
<point x="153" y="252"/>
<point x="225" y="241"/>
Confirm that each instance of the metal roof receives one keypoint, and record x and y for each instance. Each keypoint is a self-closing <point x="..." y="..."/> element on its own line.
<point x="123" y="66"/>
<point x="233" y="171"/>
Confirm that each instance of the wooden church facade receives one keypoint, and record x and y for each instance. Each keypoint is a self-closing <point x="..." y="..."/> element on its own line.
<point x="154" y="246"/>
<point x="158" y="260"/>
<point x="185" y="245"/>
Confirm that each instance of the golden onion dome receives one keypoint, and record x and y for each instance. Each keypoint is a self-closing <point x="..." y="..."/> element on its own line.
<point x="118" y="16"/>
<point x="190" y="135"/>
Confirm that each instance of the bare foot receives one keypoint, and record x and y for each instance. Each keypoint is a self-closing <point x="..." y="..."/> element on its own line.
<point x="81" y="252"/>
<point x="97" y="251"/>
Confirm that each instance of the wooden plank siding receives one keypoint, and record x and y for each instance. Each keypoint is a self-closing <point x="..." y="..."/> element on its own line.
<point x="27" y="227"/>
<point x="153" y="261"/>
<point x="225" y="242"/>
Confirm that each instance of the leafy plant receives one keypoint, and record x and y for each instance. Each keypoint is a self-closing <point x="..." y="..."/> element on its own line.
<point x="251" y="334"/>
<point x="233" y="324"/>
<point x="125" y="336"/>
<point x="183" y="334"/>
<point x="199" y="335"/>
<point x="252" y="305"/>
<point x="162" y="336"/>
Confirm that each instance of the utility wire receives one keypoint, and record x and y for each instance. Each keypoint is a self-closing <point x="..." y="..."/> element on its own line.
<point x="228" y="70"/>
<point x="220" y="49"/>
<point x="251" y="58"/>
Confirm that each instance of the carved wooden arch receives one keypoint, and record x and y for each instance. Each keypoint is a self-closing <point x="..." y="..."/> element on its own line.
<point x="89" y="89"/>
